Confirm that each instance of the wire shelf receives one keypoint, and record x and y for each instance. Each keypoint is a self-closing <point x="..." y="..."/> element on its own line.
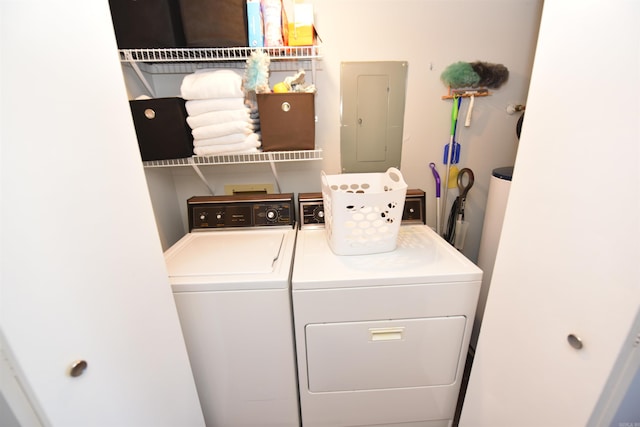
<point x="220" y="54"/>
<point x="190" y="67"/>
<point x="244" y="158"/>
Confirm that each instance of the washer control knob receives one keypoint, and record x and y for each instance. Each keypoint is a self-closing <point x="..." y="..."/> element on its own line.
<point x="203" y="216"/>
<point x="272" y="215"/>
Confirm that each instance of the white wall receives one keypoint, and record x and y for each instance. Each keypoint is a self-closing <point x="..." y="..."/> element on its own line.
<point x="430" y="35"/>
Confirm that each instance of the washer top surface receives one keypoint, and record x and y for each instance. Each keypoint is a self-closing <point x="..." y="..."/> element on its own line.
<point x="421" y="257"/>
<point x="231" y="259"/>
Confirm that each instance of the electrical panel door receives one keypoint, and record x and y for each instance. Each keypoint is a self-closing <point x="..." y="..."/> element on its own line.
<point x="372" y="115"/>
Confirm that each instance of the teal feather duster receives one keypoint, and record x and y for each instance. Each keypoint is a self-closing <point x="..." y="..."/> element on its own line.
<point x="256" y="75"/>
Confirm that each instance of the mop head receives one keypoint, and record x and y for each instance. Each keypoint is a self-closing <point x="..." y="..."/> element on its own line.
<point x="256" y="75"/>
<point x="475" y="74"/>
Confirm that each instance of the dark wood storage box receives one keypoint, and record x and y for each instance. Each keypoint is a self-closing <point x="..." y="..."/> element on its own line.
<point x="214" y="23"/>
<point x="162" y="129"/>
<point x="147" y="23"/>
<point x="287" y="121"/>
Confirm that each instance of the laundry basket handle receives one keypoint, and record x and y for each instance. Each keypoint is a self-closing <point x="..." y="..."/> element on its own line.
<point x="323" y="177"/>
<point x="395" y="175"/>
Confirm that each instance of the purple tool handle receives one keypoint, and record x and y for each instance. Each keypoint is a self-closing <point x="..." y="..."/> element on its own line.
<point x="436" y="175"/>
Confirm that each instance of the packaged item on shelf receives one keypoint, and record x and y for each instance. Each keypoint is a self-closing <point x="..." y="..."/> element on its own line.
<point x="147" y="24"/>
<point x="301" y="30"/>
<point x="275" y="23"/>
<point x="162" y="129"/>
<point x="287" y="121"/>
<point x="214" y="23"/>
<point x="254" y="24"/>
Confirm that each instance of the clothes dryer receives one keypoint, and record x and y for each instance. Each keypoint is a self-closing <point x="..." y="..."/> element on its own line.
<point x="382" y="339"/>
<point x="230" y="277"/>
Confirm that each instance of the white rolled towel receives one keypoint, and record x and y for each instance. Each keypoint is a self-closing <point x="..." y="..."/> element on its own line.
<point x="208" y="84"/>
<point x="200" y="106"/>
<point x="217" y="117"/>
<point x="223" y="140"/>
<point x="222" y="129"/>
<point x="250" y="145"/>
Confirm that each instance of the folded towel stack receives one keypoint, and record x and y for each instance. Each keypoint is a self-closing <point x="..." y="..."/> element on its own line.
<point x="220" y="120"/>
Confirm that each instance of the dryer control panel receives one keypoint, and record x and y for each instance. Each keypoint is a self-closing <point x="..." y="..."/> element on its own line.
<point x="311" y="209"/>
<point x="215" y="212"/>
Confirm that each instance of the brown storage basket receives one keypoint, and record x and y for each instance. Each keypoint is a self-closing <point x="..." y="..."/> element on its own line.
<point x="162" y="129"/>
<point x="214" y="23"/>
<point x="147" y="24"/>
<point x="287" y="121"/>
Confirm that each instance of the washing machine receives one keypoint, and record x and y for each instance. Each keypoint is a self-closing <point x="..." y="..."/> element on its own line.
<point x="230" y="277"/>
<point x="382" y="339"/>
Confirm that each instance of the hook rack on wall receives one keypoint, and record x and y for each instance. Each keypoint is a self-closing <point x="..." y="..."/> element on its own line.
<point x="466" y="93"/>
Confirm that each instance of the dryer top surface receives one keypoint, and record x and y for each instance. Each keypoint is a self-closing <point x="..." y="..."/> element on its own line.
<point x="421" y="257"/>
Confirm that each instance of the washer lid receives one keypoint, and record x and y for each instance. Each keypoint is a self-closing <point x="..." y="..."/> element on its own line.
<point x="219" y="254"/>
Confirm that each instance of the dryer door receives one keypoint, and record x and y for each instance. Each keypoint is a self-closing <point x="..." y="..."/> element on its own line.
<point x="383" y="354"/>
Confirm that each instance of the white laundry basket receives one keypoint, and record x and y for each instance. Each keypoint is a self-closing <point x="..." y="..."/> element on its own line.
<point x="363" y="211"/>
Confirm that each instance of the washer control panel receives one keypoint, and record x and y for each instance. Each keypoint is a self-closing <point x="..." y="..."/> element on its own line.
<point x="311" y="209"/>
<point x="215" y="212"/>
